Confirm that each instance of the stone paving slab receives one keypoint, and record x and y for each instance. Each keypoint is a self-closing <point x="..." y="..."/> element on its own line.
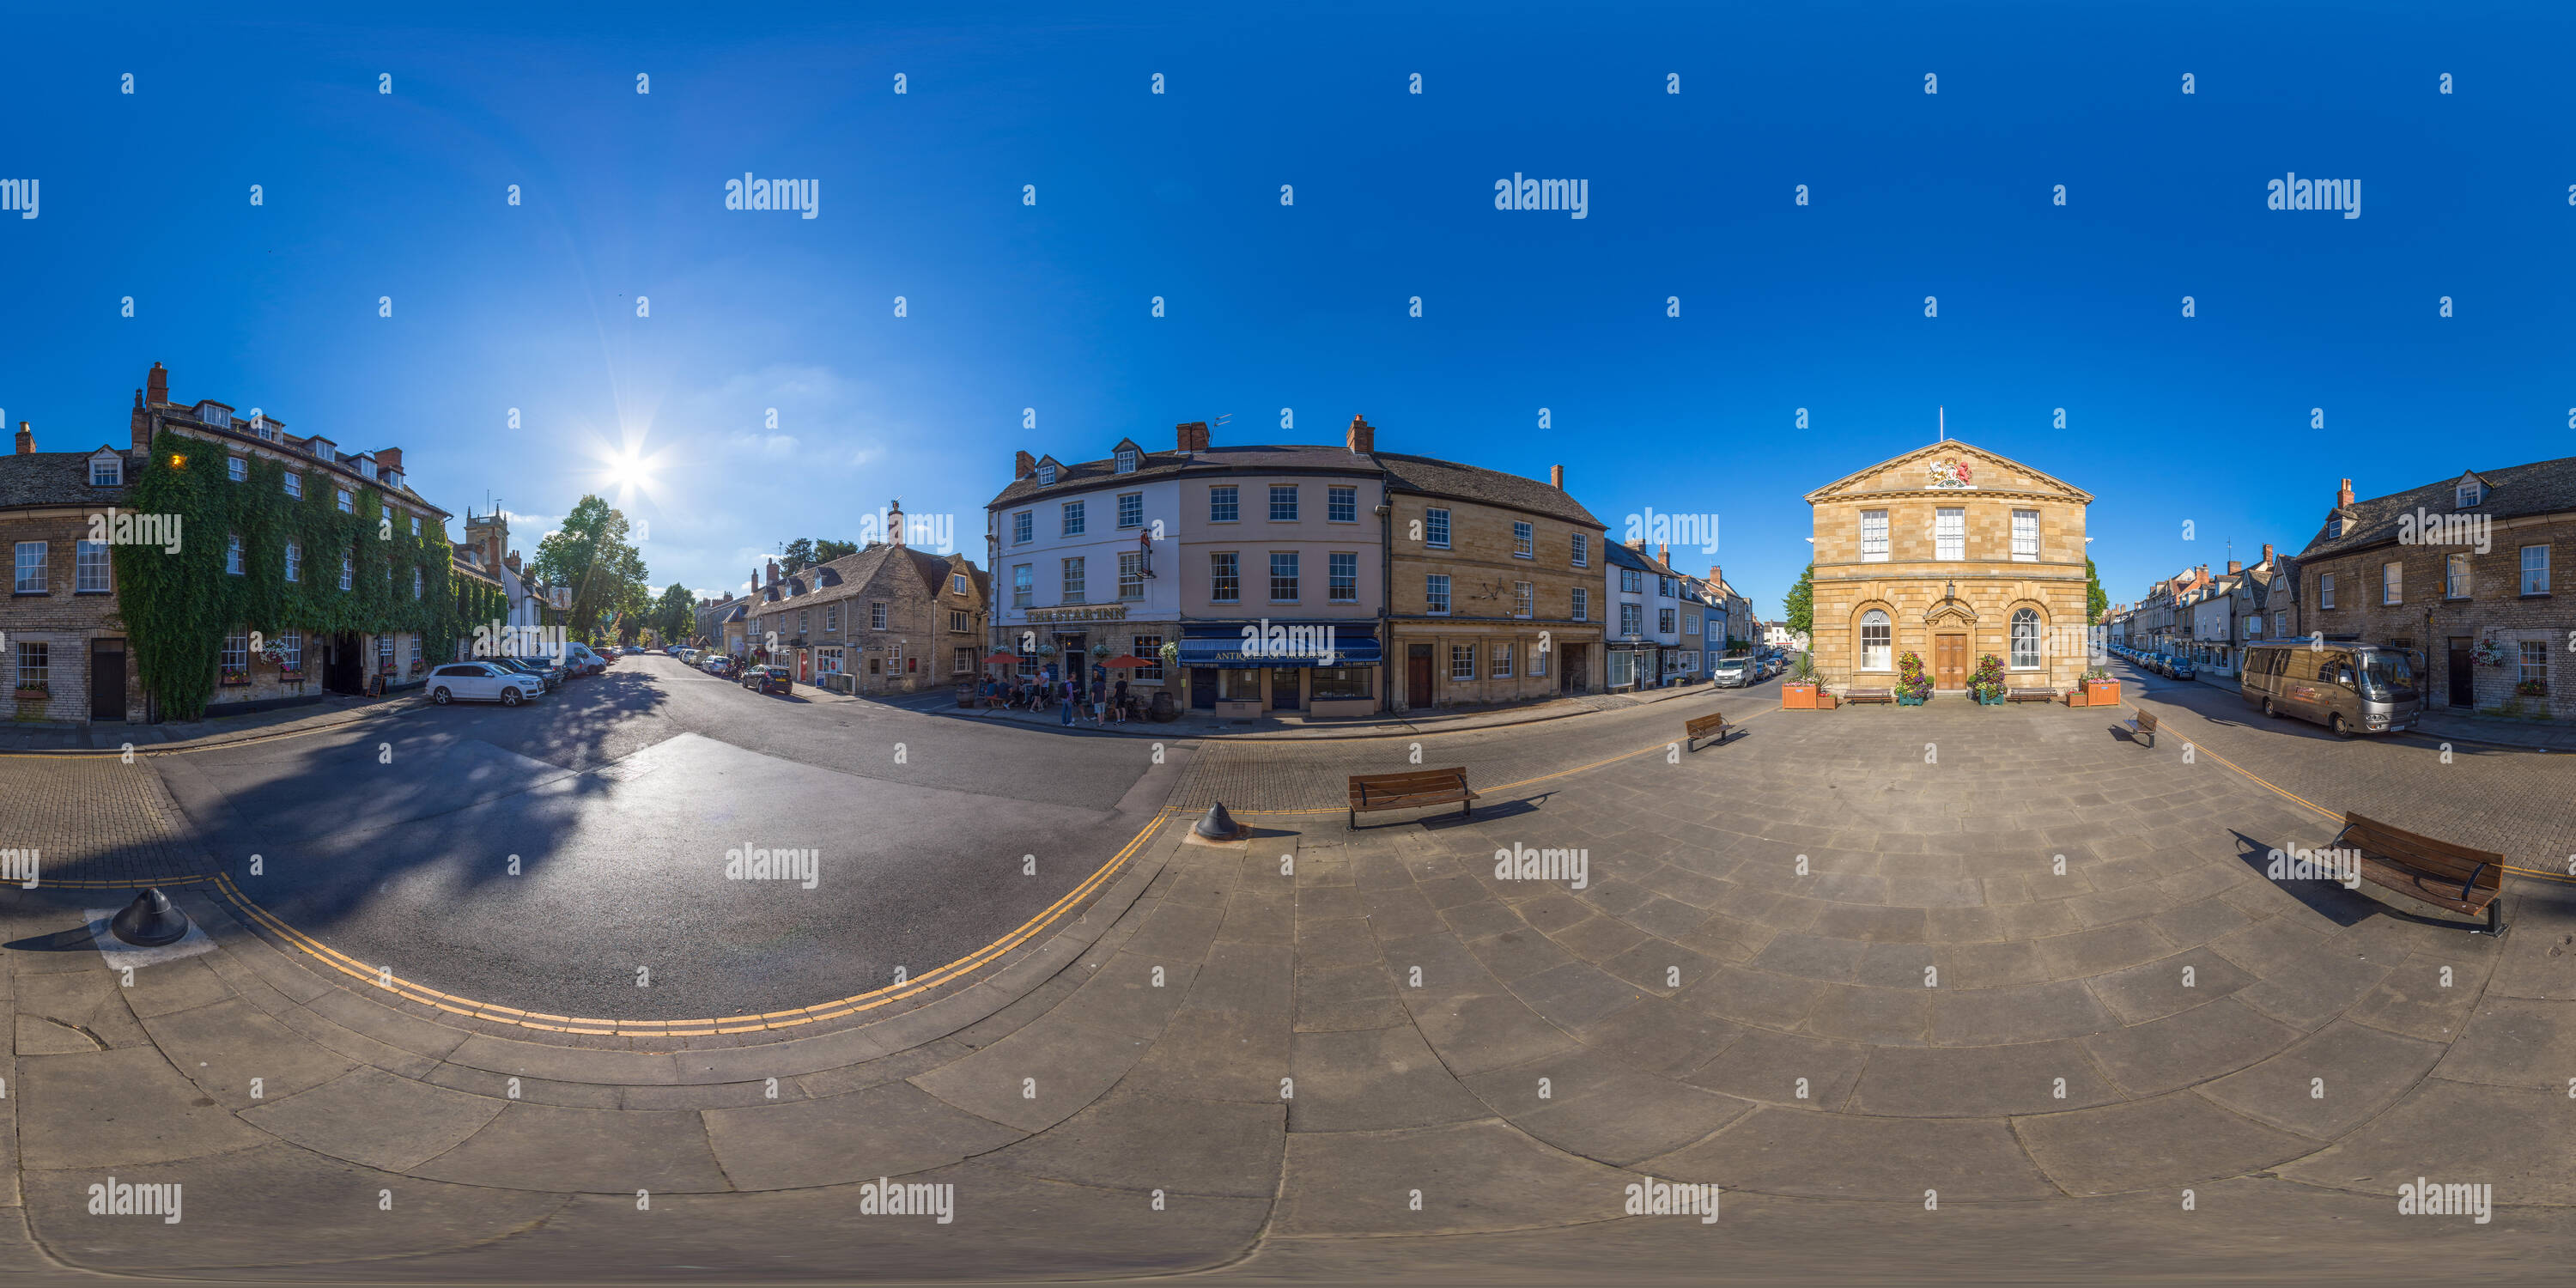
<point x="375" y="1119"/>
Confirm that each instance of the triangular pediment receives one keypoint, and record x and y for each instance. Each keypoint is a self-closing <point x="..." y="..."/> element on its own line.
<point x="1947" y="467"/>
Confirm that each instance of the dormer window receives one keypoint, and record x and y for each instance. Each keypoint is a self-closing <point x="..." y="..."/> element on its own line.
<point x="366" y="467"/>
<point x="2469" y="493"/>
<point x="1046" y="475"/>
<point x="393" y="478"/>
<point x="107" y="469"/>
<point x="322" y="451"/>
<point x="1126" y="460"/>
<point x="215" y="414"/>
<point x="2334" y="526"/>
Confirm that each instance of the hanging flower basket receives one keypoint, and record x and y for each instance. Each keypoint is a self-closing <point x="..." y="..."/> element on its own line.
<point x="2489" y="653"/>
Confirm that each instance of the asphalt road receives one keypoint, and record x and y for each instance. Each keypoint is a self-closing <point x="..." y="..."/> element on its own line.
<point x="620" y="800"/>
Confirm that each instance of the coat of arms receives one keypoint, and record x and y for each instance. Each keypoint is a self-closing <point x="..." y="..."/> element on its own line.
<point x="1951" y="472"/>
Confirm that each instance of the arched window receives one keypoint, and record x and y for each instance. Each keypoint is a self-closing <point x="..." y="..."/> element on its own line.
<point x="1873" y="640"/>
<point x="2025" y="638"/>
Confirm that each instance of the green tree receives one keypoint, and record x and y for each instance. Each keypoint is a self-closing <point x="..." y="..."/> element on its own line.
<point x="675" y="614"/>
<point x="1800" y="606"/>
<point x="2095" y="602"/>
<point x="826" y="550"/>
<point x="591" y="554"/>
<point x="798" y="556"/>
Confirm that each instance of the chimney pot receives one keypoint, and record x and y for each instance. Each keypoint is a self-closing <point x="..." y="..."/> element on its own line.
<point x="1556" y="477"/>
<point x="1363" y="436"/>
<point x="26" y="439"/>
<point x="1663" y="554"/>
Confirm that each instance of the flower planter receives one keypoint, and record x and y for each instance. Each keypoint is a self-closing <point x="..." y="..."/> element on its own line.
<point x="31" y="695"/>
<point x="1796" y="696"/>
<point x="1909" y="699"/>
<point x="1990" y="699"/>
<point x="1824" y="700"/>
<point x="2102" y="693"/>
<point x="2075" y="697"/>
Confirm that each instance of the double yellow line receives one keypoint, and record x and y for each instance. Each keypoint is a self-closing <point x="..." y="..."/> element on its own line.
<point x="384" y="978"/>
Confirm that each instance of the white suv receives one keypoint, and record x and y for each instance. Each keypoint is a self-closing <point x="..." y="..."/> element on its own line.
<point x="482" y="682"/>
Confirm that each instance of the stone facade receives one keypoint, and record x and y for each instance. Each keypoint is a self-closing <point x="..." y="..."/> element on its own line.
<point x="1895" y="574"/>
<point x="1487" y="643"/>
<point x="2397" y="579"/>
<point x="52" y="630"/>
<point x="891" y="619"/>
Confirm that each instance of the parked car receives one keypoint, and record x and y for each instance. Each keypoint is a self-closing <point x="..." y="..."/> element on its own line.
<point x="1733" y="672"/>
<point x="2180" y="668"/>
<point x="547" y="674"/>
<point x="767" y="679"/>
<point x="719" y="665"/>
<point x="482" y="682"/>
<point x="580" y="659"/>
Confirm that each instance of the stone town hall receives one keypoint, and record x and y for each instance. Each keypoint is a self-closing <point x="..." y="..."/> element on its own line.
<point x="1950" y="552"/>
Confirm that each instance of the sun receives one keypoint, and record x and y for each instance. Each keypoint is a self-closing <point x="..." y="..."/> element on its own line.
<point x="627" y="468"/>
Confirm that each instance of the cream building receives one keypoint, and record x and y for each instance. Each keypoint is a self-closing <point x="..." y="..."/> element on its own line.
<point x="1950" y="552"/>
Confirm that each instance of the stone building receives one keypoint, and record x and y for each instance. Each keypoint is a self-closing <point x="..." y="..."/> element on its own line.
<point x="1493" y="584"/>
<point x="1950" y="552"/>
<point x="62" y="646"/>
<point x="888" y="619"/>
<point x="2454" y="569"/>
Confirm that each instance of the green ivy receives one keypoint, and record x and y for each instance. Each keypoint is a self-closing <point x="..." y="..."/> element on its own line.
<point x="178" y="607"/>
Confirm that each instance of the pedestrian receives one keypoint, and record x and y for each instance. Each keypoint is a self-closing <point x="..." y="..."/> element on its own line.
<point x="1064" y="691"/>
<point x="1099" y="703"/>
<point x="1118" y="702"/>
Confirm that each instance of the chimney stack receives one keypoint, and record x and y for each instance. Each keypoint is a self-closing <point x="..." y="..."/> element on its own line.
<point x="1716" y="579"/>
<point x="773" y="572"/>
<point x="1556" y="477"/>
<point x="1193" y="436"/>
<point x="1663" y="554"/>
<point x="894" y="523"/>
<point x="2235" y="566"/>
<point x="156" y="386"/>
<point x="1023" y="465"/>
<point x="140" y="427"/>
<point x="2267" y="555"/>
<point x="389" y="458"/>
<point x="512" y="560"/>
<point x="2343" y="499"/>
<point x="1363" y="436"/>
<point x="26" y="439"/>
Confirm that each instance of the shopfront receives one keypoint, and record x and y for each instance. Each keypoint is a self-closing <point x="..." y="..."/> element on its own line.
<point x="1238" y="670"/>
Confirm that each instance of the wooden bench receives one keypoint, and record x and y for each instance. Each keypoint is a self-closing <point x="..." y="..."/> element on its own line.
<point x="2146" y="723"/>
<point x="1711" y="726"/>
<point x="2435" y="872"/>
<point x="2030" y="695"/>
<point x="1408" y="790"/>
<point x="1869" y="695"/>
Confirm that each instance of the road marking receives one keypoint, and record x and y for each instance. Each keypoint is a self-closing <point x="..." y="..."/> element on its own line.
<point x="852" y="1005"/>
<point x="2287" y="794"/>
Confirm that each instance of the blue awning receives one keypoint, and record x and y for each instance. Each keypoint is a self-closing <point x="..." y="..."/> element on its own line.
<point x="1306" y="644"/>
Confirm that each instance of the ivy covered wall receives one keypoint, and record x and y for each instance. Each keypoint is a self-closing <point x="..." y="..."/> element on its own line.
<point x="178" y="607"/>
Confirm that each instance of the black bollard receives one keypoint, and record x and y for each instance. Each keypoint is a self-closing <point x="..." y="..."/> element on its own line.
<point x="1219" y="825"/>
<point x="150" y="921"/>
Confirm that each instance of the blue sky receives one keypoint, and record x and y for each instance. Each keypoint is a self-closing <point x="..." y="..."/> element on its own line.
<point x="2206" y="419"/>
